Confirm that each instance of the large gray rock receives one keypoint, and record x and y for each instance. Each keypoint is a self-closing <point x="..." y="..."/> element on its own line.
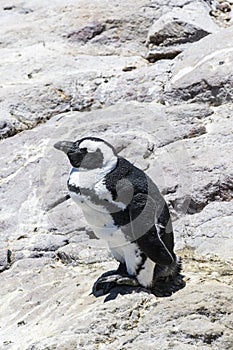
<point x="189" y="23"/>
<point x="177" y="29"/>
<point x="49" y="306"/>
<point x="209" y="233"/>
<point x="80" y="84"/>
<point x="203" y="72"/>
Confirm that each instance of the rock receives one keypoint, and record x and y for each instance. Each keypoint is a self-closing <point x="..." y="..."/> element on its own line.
<point x="87" y="78"/>
<point x="87" y="252"/>
<point x="206" y="183"/>
<point x="143" y="85"/>
<point x="49" y="297"/>
<point x="87" y="33"/>
<point x="222" y="12"/>
<point x="203" y="72"/>
<point x="48" y="242"/>
<point x="160" y="53"/>
<point x="80" y="88"/>
<point x="9" y="127"/>
<point x="5" y="259"/>
<point x="181" y="25"/>
<point x="36" y="87"/>
<point x="175" y="30"/>
<point x="210" y="232"/>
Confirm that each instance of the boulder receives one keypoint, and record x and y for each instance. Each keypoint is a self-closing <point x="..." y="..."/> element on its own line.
<point x="189" y="23"/>
<point x="210" y="233"/>
<point x="175" y="30"/>
<point x="203" y="72"/>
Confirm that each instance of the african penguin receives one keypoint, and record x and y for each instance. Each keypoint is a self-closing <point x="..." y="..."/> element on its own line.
<point x="125" y="208"/>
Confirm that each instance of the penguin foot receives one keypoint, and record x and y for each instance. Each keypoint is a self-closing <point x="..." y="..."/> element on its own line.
<point x="166" y="286"/>
<point x="105" y="283"/>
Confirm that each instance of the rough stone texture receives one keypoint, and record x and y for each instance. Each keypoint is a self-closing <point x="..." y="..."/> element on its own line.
<point x="68" y="74"/>
<point x="87" y="33"/>
<point x="175" y="30"/>
<point x="4" y="259"/>
<point x="210" y="232"/>
<point x="181" y="25"/>
<point x="74" y="69"/>
<point x="221" y="12"/>
<point x="55" y="311"/>
<point x="203" y="72"/>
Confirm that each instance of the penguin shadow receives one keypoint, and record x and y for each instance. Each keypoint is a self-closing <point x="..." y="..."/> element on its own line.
<point x="163" y="287"/>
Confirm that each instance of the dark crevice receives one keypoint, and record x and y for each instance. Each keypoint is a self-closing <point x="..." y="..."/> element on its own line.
<point x="214" y="316"/>
<point x="8" y="261"/>
<point x="87" y="33"/>
<point x="160" y="54"/>
<point x="65" y="258"/>
<point x="190" y="36"/>
<point x="9" y="8"/>
<point x="207" y="338"/>
<point x="203" y="92"/>
<point x="9" y="257"/>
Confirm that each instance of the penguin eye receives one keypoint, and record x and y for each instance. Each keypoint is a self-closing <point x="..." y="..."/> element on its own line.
<point x="84" y="150"/>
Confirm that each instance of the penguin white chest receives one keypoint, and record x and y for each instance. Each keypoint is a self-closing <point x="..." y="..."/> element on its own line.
<point x="96" y="216"/>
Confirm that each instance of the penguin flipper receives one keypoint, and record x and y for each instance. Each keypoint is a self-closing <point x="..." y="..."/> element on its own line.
<point x="145" y="229"/>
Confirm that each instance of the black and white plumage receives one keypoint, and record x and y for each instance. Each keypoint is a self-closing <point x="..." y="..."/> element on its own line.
<point x="124" y="207"/>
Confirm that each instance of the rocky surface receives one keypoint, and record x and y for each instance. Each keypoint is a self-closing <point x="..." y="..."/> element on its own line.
<point x="157" y="84"/>
<point x="203" y="72"/>
<point x="175" y="30"/>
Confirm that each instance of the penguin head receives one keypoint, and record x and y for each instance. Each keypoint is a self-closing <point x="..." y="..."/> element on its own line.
<point x="89" y="153"/>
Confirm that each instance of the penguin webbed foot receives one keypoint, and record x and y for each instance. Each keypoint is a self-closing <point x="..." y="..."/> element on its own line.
<point x="166" y="286"/>
<point x="105" y="283"/>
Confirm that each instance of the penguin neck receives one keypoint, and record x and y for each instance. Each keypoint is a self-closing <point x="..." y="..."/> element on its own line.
<point x="85" y="178"/>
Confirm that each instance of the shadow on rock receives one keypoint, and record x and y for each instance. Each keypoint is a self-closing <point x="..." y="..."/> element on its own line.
<point x="163" y="288"/>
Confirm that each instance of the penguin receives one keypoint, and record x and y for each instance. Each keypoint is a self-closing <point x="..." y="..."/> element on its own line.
<point x="124" y="207"/>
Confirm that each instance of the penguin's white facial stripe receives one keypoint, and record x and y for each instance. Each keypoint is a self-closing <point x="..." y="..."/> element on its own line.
<point x="92" y="146"/>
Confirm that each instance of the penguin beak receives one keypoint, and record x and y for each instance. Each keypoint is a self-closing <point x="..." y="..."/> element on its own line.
<point x="65" y="146"/>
